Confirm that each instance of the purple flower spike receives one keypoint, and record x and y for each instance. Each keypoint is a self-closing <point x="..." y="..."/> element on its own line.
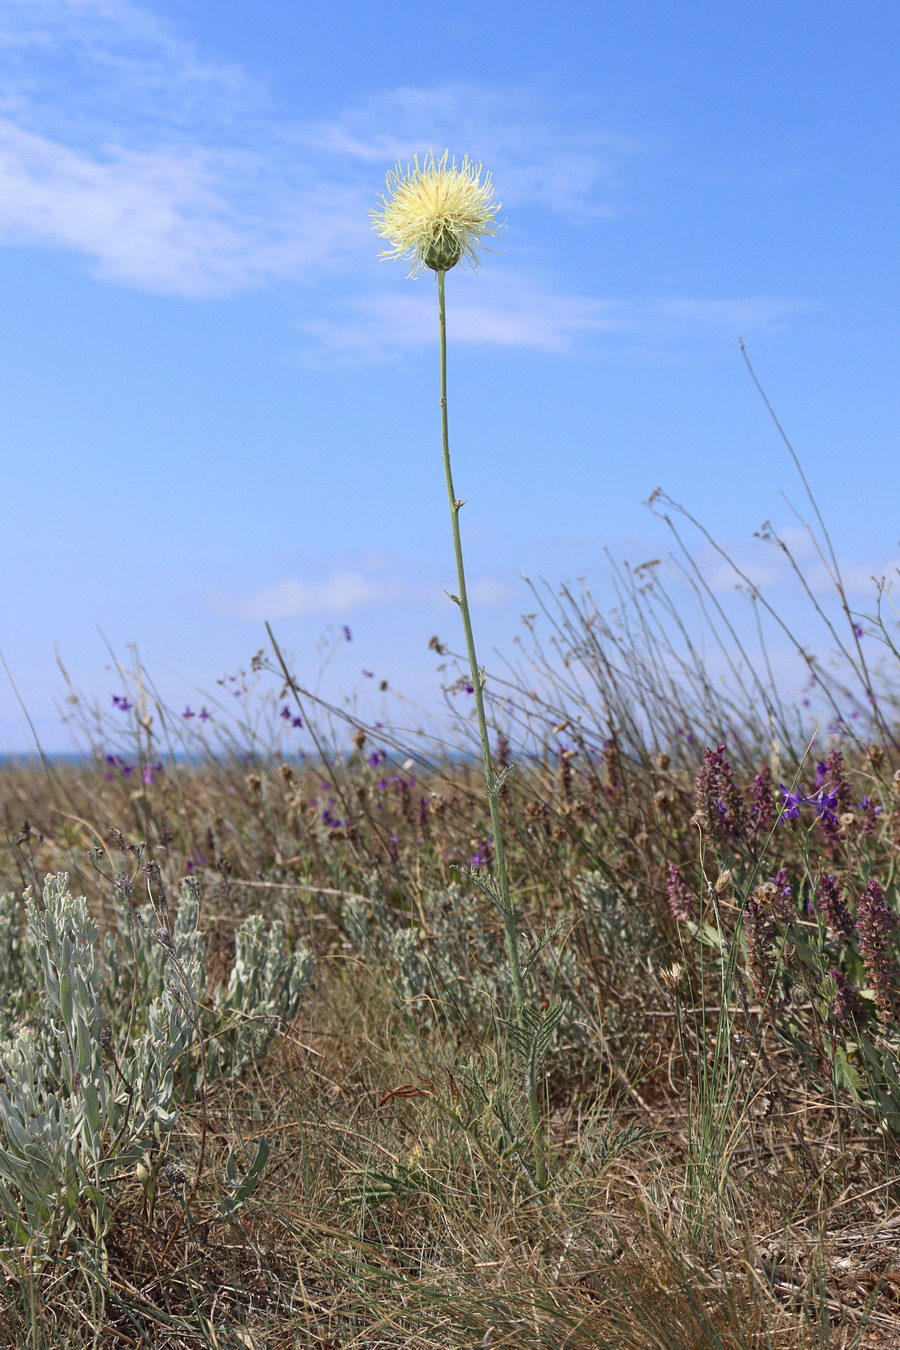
<point x="681" y="902"/>
<point x="285" y="712"/>
<point x="348" y="636"/>
<point x="188" y="714"/>
<point x="874" y="926"/>
<point x="719" y="802"/>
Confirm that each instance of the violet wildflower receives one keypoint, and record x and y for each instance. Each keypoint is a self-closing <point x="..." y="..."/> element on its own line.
<point x="826" y="809"/>
<point x="377" y="757"/>
<point x="762" y="804"/>
<point x="369" y="674"/>
<point x="348" y="636"/>
<point x="118" y="701"/>
<point x="188" y="714"/>
<point x="681" y="902"/>
<point x="845" y="1005"/>
<point x="832" y="905"/>
<point x="204" y="715"/>
<point x="871" y="812"/>
<point x="791" y="803"/>
<point x="470" y="688"/>
<point x="874" y="925"/>
<point x="719" y="802"/>
<point x="285" y="712"/>
<point x="839" y="794"/>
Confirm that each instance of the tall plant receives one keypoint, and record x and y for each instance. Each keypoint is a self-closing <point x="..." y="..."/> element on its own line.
<point x="438" y="215"/>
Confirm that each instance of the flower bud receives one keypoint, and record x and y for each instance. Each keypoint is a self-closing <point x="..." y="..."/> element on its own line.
<point x="443" y="253"/>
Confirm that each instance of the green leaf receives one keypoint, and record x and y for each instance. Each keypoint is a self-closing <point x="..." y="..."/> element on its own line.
<point x="844" y="1072"/>
<point x="66" y="1002"/>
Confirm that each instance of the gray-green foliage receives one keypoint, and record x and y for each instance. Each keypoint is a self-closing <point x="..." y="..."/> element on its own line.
<point x="101" y="1039"/>
<point x="264" y="990"/>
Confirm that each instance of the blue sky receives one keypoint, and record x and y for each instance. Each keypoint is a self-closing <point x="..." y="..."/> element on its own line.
<point x="220" y="405"/>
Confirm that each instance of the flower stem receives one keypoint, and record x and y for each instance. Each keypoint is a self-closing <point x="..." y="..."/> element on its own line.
<point x="507" y="908"/>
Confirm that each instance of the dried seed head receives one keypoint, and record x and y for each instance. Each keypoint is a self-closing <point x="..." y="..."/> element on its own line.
<point x="723" y="881"/>
<point x="767" y="897"/>
<point x="359" y="738"/>
<point x="253" y="782"/>
<point x="848" y="821"/>
<point x="672" y="977"/>
<point x="286" y="772"/>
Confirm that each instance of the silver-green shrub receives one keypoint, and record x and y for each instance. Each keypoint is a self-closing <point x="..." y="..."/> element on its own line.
<point x="99" y="1041"/>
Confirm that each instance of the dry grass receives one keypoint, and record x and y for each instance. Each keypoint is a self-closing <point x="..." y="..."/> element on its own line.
<point x="694" y="1201"/>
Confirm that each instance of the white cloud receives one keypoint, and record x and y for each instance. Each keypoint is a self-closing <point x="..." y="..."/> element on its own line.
<point x="505" y="309"/>
<point x="293" y="599"/>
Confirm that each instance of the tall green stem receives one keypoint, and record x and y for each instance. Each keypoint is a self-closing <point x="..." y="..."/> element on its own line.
<point x="507" y="908"/>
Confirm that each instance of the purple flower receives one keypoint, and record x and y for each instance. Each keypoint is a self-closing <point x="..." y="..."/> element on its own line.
<point x="874" y="926"/>
<point x="191" y="863"/>
<point x="762" y="807"/>
<point x="204" y="715"/>
<point x="833" y="906"/>
<point x="348" y="636"/>
<point x="187" y="714"/>
<point x="369" y="674"/>
<point x="872" y="811"/>
<point x="296" y="721"/>
<point x="681" y="902"/>
<point x="826" y="808"/>
<point x="719" y="802"/>
<point x="377" y="757"/>
<point x="858" y="631"/>
<point x="791" y="803"/>
<point x="117" y="762"/>
<point x="470" y="689"/>
<point x="285" y="712"/>
<point x="150" y="773"/>
<point x="847" y="1007"/>
<point x="118" y="701"/>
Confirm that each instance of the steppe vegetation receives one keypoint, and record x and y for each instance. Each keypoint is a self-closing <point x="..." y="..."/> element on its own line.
<point x="309" y="1128"/>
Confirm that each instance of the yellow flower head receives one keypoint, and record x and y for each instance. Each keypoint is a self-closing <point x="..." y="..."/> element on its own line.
<point x="437" y="215"/>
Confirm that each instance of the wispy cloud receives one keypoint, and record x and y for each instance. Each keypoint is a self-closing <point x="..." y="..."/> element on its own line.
<point x="506" y="309"/>
<point x="290" y="598"/>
